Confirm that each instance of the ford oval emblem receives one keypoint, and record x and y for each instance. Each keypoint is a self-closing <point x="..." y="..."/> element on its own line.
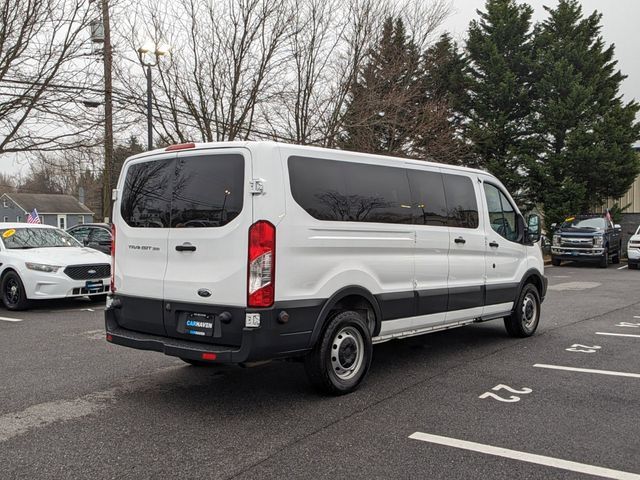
<point x="91" y="272"/>
<point x="203" y="292"/>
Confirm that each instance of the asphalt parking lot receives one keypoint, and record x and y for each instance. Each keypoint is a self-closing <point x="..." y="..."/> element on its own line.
<point x="466" y="403"/>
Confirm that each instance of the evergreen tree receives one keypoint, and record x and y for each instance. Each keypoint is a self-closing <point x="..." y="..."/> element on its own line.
<point x="385" y="96"/>
<point x="584" y="131"/>
<point x="444" y="82"/>
<point x="500" y="53"/>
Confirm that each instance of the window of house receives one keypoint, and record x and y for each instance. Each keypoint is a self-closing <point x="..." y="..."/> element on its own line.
<point x="18" y="218"/>
<point x="6" y="219"/>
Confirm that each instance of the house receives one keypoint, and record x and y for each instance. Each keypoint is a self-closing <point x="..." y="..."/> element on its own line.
<point x="630" y="201"/>
<point x="62" y="211"/>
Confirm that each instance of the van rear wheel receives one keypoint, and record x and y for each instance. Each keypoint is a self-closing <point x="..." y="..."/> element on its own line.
<point x="524" y="320"/>
<point x="340" y="360"/>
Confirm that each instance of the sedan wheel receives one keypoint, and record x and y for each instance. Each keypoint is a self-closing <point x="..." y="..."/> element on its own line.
<point x="14" y="295"/>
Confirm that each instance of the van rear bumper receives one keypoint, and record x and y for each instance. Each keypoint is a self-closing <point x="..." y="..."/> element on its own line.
<point x="178" y="348"/>
<point x="271" y="340"/>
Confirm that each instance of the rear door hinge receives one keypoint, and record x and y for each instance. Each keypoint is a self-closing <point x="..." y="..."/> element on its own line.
<point x="256" y="186"/>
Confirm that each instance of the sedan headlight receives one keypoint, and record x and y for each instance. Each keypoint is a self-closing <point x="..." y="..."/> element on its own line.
<point x="41" y="267"/>
<point x="556" y="240"/>
<point x="598" y="241"/>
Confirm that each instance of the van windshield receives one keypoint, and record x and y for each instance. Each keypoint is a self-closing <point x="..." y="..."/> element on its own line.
<point x="187" y="192"/>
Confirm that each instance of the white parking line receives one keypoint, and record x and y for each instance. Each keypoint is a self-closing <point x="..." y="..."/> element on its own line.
<point x="7" y="319"/>
<point x="623" y="267"/>
<point x="588" y="370"/>
<point x="525" y="457"/>
<point x="618" y="334"/>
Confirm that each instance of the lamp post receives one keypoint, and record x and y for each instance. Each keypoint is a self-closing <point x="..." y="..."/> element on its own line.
<point x="149" y="56"/>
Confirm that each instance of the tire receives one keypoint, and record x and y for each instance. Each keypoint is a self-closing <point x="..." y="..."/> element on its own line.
<point x="604" y="261"/>
<point x="525" y="317"/>
<point x="340" y="360"/>
<point x="633" y="266"/>
<point x="555" y="261"/>
<point x="14" y="295"/>
<point x="616" y="258"/>
<point x="98" y="298"/>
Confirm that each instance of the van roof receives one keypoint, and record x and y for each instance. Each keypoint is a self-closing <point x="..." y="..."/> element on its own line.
<point x="311" y="149"/>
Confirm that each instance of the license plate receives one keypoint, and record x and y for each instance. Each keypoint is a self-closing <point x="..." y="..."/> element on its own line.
<point x="94" y="285"/>
<point x="198" y="324"/>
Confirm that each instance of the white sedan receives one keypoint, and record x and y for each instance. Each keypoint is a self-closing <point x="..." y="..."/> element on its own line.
<point x="633" y="250"/>
<point x="44" y="262"/>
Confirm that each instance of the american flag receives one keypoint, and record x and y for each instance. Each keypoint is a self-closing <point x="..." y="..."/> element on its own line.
<point x="33" y="217"/>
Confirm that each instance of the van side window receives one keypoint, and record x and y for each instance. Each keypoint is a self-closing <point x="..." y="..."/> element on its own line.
<point x="502" y="215"/>
<point x="350" y="192"/>
<point x="208" y="190"/>
<point x="462" y="206"/>
<point x="427" y="190"/>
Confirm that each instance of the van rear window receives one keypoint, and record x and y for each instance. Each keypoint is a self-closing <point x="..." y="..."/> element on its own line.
<point x="187" y="192"/>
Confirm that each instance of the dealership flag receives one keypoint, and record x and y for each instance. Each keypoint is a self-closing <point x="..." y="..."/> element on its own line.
<point x="608" y="216"/>
<point x="33" y="217"/>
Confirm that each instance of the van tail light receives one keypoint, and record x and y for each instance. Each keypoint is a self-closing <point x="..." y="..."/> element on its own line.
<point x="112" y="288"/>
<point x="261" y="275"/>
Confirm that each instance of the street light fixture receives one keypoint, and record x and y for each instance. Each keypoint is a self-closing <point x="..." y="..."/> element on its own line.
<point x="149" y="55"/>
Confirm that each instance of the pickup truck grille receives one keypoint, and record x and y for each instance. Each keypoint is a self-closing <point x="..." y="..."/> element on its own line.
<point x="88" y="272"/>
<point x="575" y="242"/>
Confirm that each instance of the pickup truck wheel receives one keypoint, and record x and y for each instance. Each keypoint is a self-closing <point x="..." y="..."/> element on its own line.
<point x="604" y="260"/>
<point x="633" y="266"/>
<point x="340" y="360"/>
<point x="555" y="261"/>
<point x="525" y="317"/>
<point x="616" y="258"/>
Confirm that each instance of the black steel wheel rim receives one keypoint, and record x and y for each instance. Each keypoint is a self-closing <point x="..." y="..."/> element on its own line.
<point x="12" y="291"/>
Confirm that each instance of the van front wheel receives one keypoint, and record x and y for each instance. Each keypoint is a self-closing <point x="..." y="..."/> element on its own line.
<point x="524" y="320"/>
<point x="340" y="360"/>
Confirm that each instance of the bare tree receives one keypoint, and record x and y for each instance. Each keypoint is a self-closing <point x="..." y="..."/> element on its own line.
<point x="228" y="62"/>
<point x="45" y="65"/>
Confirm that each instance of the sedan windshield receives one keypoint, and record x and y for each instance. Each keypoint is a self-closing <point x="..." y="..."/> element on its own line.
<point x="597" y="223"/>
<point x="24" y="238"/>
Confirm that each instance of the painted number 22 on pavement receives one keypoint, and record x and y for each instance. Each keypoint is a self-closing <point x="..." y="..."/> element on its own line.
<point x="511" y="399"/>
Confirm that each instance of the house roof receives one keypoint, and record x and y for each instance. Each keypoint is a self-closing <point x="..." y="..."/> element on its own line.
<point x="48" y="203"/>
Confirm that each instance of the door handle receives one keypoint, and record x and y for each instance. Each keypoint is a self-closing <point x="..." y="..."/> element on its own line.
<point x="494" y="244"/>
<point x="460" y="240"/>
<point x="186" y="247"/>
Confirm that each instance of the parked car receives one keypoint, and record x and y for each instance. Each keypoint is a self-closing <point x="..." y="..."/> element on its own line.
<point x="43" y="262"/>
<point x="591" y="238"/>
<point x="93" y="235"/>
<point x="633" y="250"/>
<point x="267" y="250"/>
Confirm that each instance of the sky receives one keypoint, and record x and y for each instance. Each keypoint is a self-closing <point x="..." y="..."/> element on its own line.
<point x="620" y="20"/>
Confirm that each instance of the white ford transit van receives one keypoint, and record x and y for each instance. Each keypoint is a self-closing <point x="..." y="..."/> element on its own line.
<point x="247" y="251"/>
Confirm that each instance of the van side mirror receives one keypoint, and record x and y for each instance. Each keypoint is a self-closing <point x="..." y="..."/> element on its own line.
<point x="533" y="228"/>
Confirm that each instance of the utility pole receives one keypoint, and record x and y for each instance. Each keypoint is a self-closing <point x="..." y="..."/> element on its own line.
<point x="108" y="114"/>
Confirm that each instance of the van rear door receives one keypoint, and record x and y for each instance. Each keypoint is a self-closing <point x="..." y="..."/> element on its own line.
<point x="141" y="216"/>
<point x="206" y="272"/>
